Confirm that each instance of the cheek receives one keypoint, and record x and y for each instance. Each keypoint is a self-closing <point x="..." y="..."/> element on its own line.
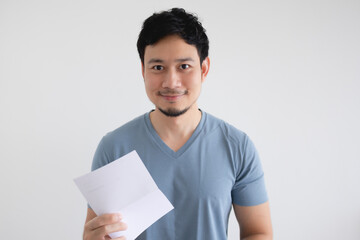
<point x="194" y="81"/>
<point x="151" y="84"/>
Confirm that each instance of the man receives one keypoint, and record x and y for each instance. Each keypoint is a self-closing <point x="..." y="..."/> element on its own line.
<point x="203" y="165"/>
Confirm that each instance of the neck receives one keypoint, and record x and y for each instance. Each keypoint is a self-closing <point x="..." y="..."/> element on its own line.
<point x="175" y="131"/>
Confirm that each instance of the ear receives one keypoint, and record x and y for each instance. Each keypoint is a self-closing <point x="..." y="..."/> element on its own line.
<point x="205" y="67"/>
<point x="142" y="69"/>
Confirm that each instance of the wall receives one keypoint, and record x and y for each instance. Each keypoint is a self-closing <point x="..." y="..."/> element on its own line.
<point x="285" y="72"/>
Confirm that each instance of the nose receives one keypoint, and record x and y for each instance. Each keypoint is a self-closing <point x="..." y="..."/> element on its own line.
<point x="172" y="79"/>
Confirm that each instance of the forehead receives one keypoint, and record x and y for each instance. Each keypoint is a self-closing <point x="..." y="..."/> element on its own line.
<point x="170" y="48"/>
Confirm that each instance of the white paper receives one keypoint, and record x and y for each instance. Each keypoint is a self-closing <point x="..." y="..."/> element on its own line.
<point x="125" y="186"/>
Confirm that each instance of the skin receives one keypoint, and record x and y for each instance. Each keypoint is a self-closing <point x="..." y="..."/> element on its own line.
<point x="98" y="227"/>
<point x="254" y="222"/>
<point x="173" y="76"/>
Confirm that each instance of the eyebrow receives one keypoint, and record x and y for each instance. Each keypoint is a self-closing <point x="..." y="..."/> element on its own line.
<point x="157" y="60"/>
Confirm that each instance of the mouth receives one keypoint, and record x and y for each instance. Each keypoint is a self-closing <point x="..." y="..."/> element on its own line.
<point x="172" y="95"/>
<point x="171" y="98"/>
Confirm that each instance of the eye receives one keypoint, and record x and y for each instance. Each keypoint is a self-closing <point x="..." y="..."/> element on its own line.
<point x="184" y="66"/>
<point x="158" y="67"/>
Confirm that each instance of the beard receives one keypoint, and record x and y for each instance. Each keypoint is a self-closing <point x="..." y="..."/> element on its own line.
<point x="172" y="112"/>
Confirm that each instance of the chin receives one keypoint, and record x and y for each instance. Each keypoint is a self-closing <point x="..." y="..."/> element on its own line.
<point x="173" y="112"/>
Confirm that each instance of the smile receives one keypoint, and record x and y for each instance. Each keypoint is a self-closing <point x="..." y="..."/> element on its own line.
<point x="172" y="95"/>
<point x="171" y="98"/>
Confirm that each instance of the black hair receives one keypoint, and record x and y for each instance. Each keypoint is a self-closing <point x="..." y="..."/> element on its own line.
<point x="175" y="21"/>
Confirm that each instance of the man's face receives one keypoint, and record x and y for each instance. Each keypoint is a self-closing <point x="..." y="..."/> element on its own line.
<point x="173" y="75"/>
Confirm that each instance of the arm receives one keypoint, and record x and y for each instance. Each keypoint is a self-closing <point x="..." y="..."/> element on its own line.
<point x="98" y="227"/>
<point x="254" y="222"/>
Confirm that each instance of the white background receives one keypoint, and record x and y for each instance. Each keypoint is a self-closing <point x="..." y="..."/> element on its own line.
<point x="285" y="72"/>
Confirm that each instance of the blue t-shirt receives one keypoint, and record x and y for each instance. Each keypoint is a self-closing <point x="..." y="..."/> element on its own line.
<point x="216" y="167"/>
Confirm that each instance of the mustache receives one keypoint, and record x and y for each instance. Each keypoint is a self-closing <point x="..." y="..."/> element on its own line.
<point x="172" y="92"/>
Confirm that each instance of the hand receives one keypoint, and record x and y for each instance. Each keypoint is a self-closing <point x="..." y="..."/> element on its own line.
<point x="99" y="227"/>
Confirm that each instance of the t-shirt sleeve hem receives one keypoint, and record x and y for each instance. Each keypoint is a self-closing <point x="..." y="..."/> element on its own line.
<point x="251" y="194"/>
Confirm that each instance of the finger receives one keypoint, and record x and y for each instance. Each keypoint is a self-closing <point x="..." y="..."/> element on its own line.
<point x="111" y="228"/>
<point x="119" y="238"/>
<point x="103" y="220"/>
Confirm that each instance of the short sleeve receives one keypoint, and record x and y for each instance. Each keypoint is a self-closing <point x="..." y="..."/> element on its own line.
<point x="249" y="188"/>
<point x="100" y="157"/>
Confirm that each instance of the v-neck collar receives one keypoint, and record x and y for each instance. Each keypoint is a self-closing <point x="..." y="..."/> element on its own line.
<point x="162" y="145"/>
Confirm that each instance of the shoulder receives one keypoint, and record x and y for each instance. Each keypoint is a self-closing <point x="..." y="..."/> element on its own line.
<point x="127" y="130"/>
<point x="119" y="142"/>
<point x="229" y="132"/>
<point x="124" y="137"/>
